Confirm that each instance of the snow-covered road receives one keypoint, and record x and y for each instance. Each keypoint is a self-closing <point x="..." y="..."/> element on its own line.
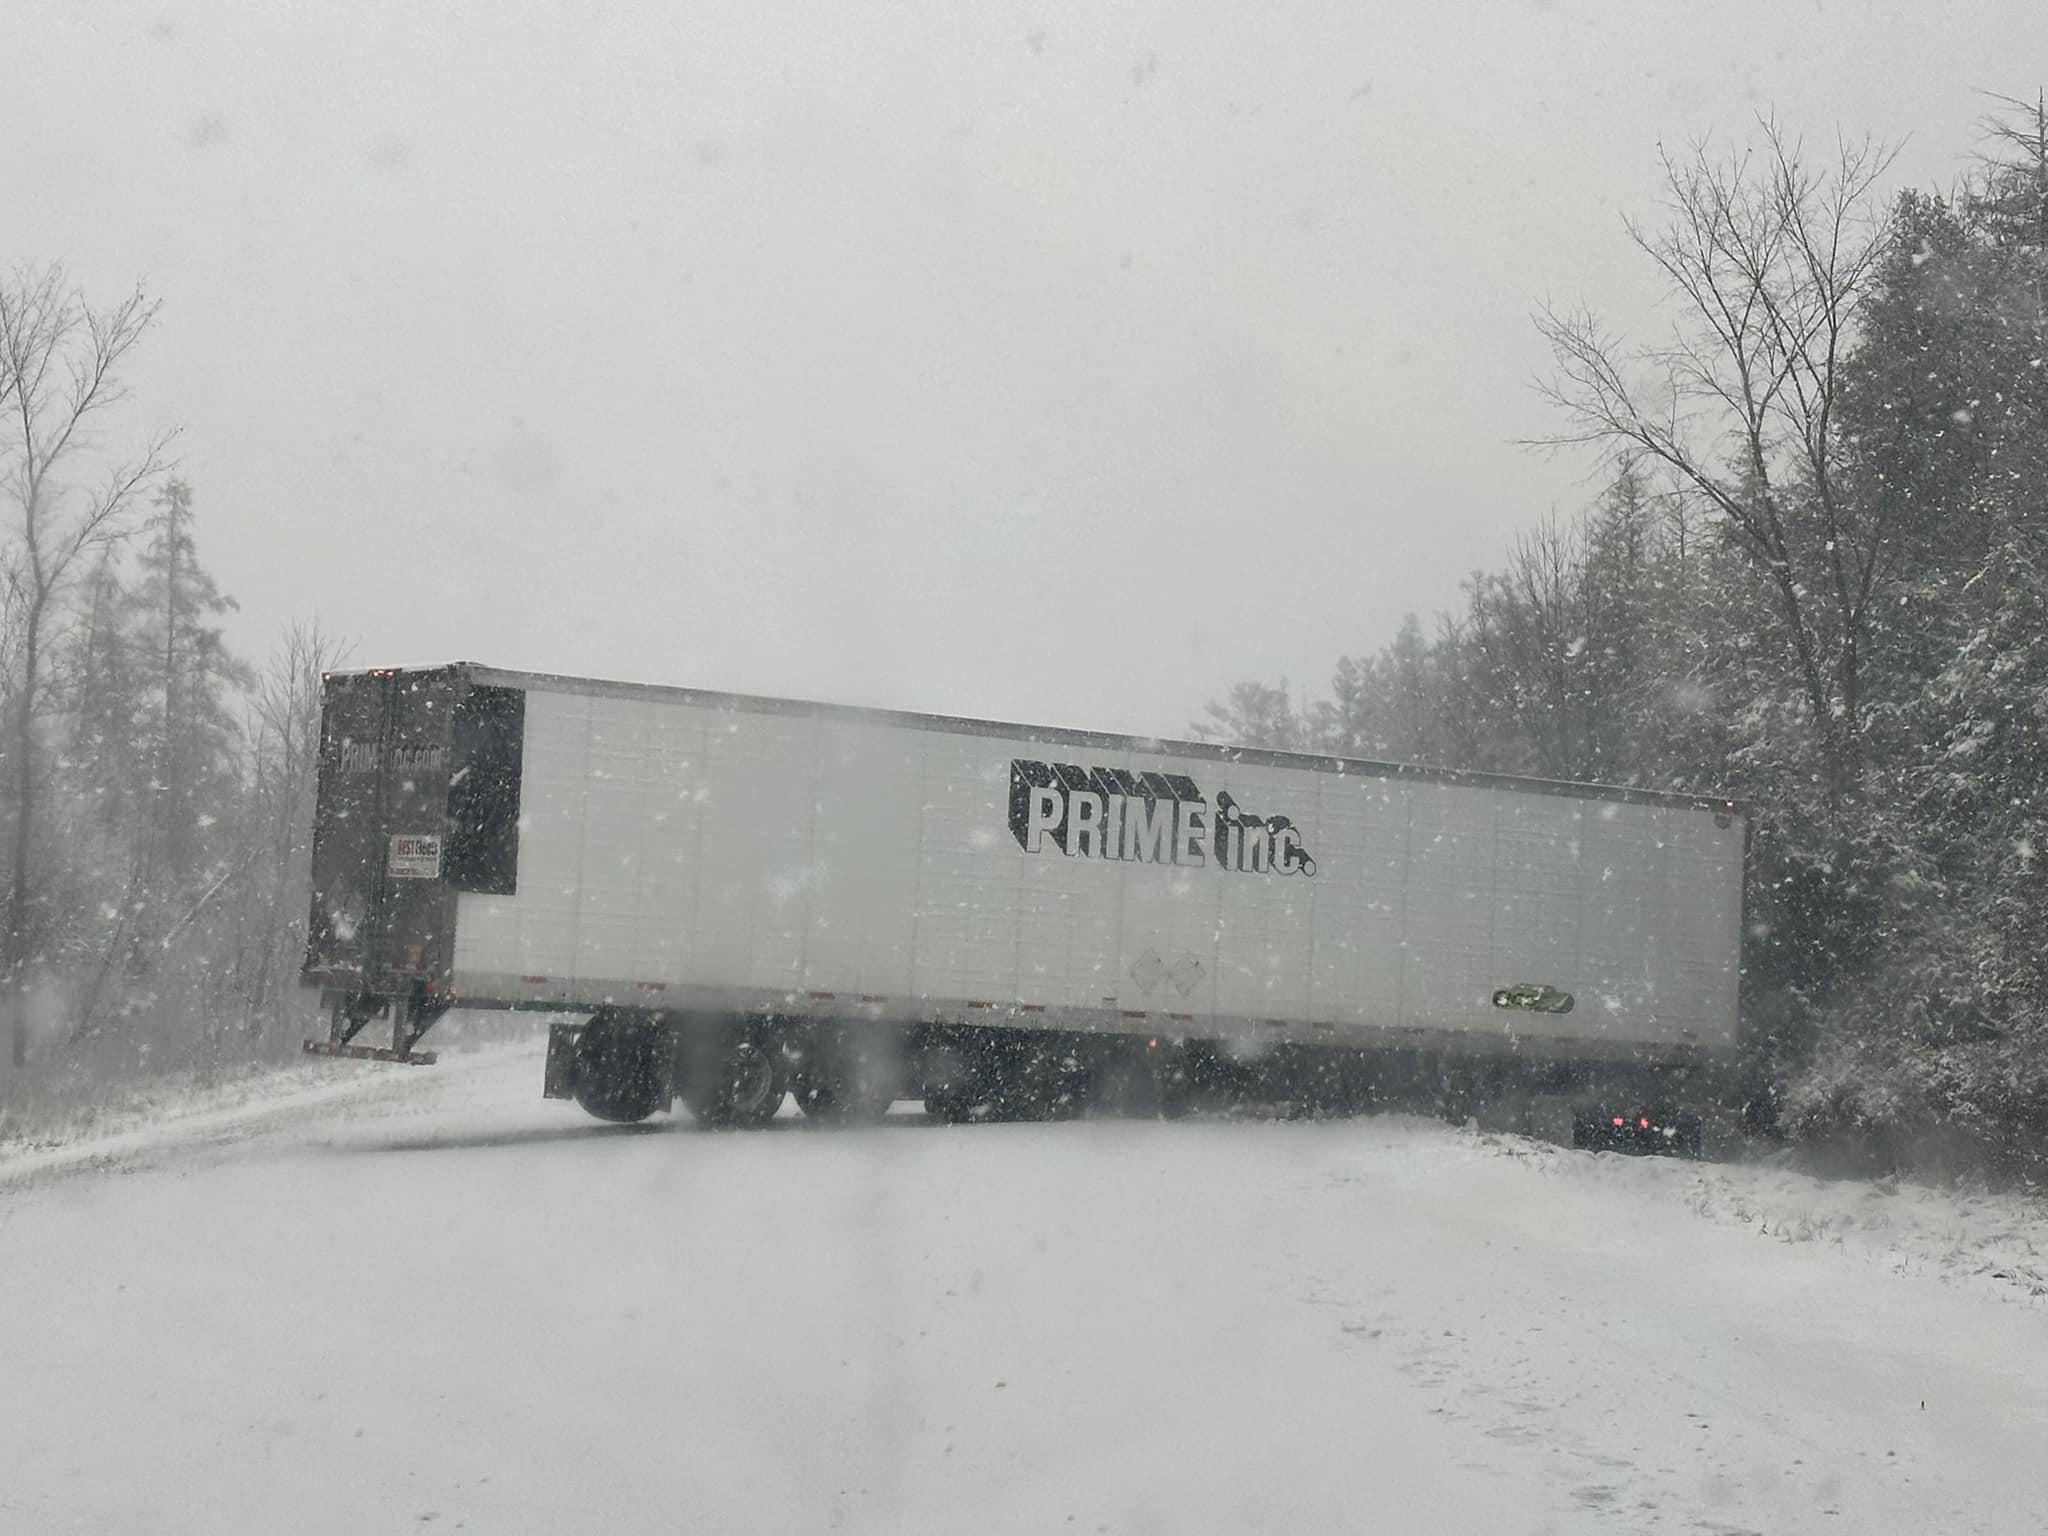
<point x="428" y="1300"/>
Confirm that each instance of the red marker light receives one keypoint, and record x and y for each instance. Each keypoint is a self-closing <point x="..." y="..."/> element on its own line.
<point x="1644" y="1122"/>
<point x="1619" y="1121"/>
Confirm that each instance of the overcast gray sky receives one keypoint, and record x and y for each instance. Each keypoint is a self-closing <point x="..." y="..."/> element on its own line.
<point x="1054" y="362"/>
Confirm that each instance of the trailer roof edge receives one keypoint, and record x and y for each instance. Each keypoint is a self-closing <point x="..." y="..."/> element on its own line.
<point x="1048" y="735"/>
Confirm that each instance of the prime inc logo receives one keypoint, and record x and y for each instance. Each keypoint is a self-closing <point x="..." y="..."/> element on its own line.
<point x="1147" y="818"/>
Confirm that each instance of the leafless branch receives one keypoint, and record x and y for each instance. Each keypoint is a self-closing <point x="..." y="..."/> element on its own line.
<point x="1767" y="260"/>
<point x="61" y="366"/>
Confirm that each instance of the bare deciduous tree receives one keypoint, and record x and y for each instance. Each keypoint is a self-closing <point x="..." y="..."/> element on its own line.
<point x="60" y="372"/>
<point x="284" y="731"/>
<point x="2012" y="194"/>
<point x="1770" y="260"/>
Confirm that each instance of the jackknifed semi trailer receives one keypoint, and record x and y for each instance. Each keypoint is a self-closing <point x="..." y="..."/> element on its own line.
<point x="736" y="900"/>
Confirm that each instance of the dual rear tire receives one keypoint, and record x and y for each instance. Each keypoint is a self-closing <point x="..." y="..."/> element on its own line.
<point x="1034" y="1076"/>
<point x="849" y="1075"/>
<point x="733" y="1073"/>
<point x="730" y="1075"/>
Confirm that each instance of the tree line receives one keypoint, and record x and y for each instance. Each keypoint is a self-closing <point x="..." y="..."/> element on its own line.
<point x="155" y="789"/>
<point x="1816" y="579"/>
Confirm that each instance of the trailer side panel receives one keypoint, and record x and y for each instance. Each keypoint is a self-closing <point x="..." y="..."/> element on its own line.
<point x="682" y="849"/>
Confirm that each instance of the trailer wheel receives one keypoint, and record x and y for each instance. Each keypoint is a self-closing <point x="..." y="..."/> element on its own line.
<point x="1119" y="1086"/>
<point x="1145" y="1082"/>
<point x="849" y="1077"/>
<point x="733" y="1080"/>
<point x="618" y="1070"/>
<point x="950" y="1079"/>
<point x="1033" y="1083"/>
<point x="950" y="1106"/>
<point x="841" y="1101"/>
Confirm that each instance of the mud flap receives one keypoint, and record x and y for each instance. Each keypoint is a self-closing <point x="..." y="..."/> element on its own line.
<point x="559" y="1081"/>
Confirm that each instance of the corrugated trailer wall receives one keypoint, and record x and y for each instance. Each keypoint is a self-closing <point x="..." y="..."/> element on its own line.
<point x="677" y="850"/>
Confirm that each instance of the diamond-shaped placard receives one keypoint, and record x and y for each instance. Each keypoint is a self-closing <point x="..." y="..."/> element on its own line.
<point x="1147" y="970"/>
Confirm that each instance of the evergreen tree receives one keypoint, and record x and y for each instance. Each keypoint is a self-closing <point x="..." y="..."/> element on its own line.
<point x="1256" y="715"/>
<point x="193" y="737"/>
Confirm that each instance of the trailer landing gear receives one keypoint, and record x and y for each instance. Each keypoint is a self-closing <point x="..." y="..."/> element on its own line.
<point x="411" y="1018"/>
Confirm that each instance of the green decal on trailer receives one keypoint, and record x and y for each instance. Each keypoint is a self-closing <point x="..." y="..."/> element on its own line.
<point x="1532" y="998"/>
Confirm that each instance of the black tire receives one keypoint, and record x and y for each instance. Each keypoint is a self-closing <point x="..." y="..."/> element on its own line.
<point x="949" y="1106"/>
<point x="849" y="1076"/>
<point x="950" y="1080"/>
<point x="1338" y="1090"/>
<point x="1031" y="1083"/>
<point x="618" y="1070"/>
<point x="1119" y="1088"/>
<point x="1134" y="1082"/>
<point x="732" y="1077"/>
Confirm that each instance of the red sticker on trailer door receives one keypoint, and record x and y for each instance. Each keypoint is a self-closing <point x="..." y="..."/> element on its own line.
<point x="414" y="856"/>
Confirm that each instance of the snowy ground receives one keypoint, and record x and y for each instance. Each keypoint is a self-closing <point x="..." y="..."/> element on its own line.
<point x="424" y="1299"/>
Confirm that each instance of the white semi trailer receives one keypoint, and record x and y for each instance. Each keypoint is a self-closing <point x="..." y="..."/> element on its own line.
<point x="744" y="898"/>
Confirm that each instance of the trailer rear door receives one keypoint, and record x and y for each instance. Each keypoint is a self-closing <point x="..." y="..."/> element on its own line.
<point x="383" y="907"/>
